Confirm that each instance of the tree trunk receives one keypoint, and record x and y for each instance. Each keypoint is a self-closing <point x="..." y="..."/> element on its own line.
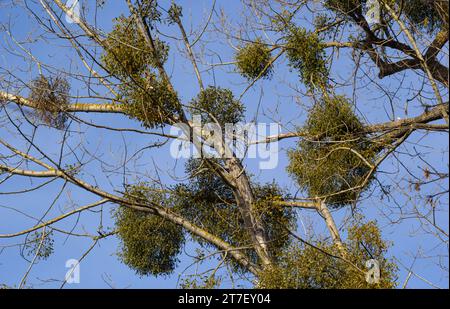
<point x="245" y="201"/>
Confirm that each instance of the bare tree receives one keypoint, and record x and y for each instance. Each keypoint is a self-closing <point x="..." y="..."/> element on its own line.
<point x="341" y="155"/>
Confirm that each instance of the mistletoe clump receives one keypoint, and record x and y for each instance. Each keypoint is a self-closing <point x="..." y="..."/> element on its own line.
<point x="306" y="54"/>
<point x="302" y="266"/>
<point x="254" y="60"/>
<point x="128" y="54"/>
<point x="427" y="15"/>
<point x="151" y="100"/>
<point x="200" y="282"/>
<point x="335" y="157"/>
<point x="174" y="13"/>
<point x="50" y="95"/>
<point x="215" y="103"/>
<point x="275" y="217"/>
<point x="149" y="244"/>
<point x="207" y="201"/>
<point x="129" y="57"/>
<point x="41" y="245"/>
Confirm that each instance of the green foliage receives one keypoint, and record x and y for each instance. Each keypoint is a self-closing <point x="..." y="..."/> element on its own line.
<point x="209" y="203"/>
<point x="422" y="13"/>
<point x="306" y="54"/>
<point x="39" y="245"/>
<point x="128" y="54"/>
<point x="147" y="97"/>
<point x="149" y="244"/>
<point x="150" y="100"/>
<point x="200" y="282"/>
<point x="175" y="13"/>
<point x="305" y="267"/>
<point x="50" y="95"/>
<point x="219" y="103"/>
<point x="148" y="9"/>
<point x="329" y="159"/>
<point x="254" y="60"/>
<point x="275" y="217"/>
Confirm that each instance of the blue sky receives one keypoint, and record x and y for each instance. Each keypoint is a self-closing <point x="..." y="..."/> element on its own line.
<point x="101" y="267"/>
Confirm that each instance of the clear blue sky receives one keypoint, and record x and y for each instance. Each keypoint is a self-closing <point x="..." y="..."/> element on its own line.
<point x="101" y="264"/>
